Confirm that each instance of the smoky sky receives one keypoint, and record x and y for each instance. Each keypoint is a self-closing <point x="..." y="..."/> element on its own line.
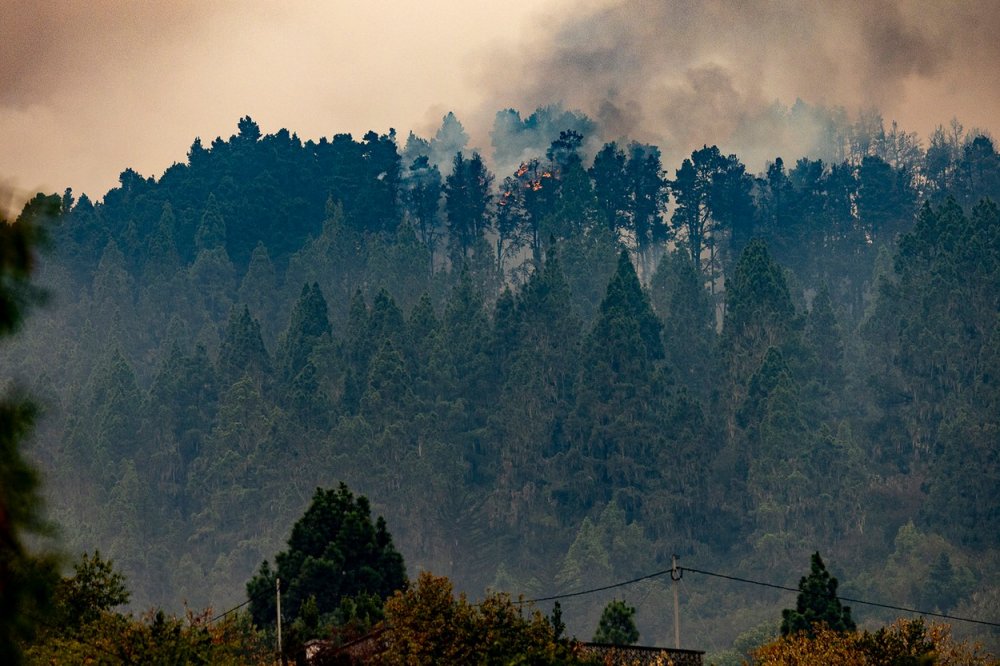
<point x="90" y="87"/>
<point x="683" y="74"/>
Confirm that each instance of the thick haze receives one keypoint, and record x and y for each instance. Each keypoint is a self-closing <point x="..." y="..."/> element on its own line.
<point x="682" y="74"/>
<point x="90" y="88"/>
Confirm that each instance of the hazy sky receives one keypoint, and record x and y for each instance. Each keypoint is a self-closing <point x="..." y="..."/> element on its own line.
<point x="90" y="87"/>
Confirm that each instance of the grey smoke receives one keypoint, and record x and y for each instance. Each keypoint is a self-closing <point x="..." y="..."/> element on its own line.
<point x="89" y="87"/>
<point x="682" y="74"/>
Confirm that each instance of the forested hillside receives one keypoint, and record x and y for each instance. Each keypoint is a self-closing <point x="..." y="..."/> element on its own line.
<point x="546" y="379"/>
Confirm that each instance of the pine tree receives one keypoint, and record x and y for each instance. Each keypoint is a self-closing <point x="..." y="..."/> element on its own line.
<point x="242" y="351"/>
<point x="617" y="625"/>
<point x="619" y="385"/>
<point x="468" y="202"/>
<point x="307" y="326"/>
<point x="817" y="604"/>
<point x="824" y="341"/>
<point x="678" y="293"/>
<point x="259" y="291"/>
<point x="162" y="259"/>
<point x="335" y="551"/>
<point x="26" y="579"/>
<point x="759" y="315"/>
<point x="611" y="187"/>
<point x="211" y="232"/>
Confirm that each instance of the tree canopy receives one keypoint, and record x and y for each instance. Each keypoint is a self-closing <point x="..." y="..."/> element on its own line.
<point x="335" y="552"/>
<point x="617" y="625"/>
<point x="817" y="604"/>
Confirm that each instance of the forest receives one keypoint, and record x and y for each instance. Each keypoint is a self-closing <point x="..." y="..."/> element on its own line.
<point x="550" y="368"/>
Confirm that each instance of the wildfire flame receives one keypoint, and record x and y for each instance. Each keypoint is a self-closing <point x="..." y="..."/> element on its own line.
<point x="529" y="169"/>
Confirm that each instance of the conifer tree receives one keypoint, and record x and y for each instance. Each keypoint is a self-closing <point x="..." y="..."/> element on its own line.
<point x="611" y="187"/>
<point x="617" y="625"/>
<point x="308" y="325"/>
<point x="677" y="292"/>
<point x="259" y="291"/>
<point x="211" y="232"/>
<point x="823" y="337"/>
<point x="162" y="258"/>
<point x="759" y="315"/>
<point x="468" y="202"/>
<point x="335" y="552"/>
<point x="620" y="383"/>
<point x="242" y="351"/>
<point x="817" y="604"/>
<point x="25" y="579"/>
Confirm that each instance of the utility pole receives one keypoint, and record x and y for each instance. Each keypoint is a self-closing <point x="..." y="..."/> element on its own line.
<point x="277" y="589"/>
<point x="675" y="576"/>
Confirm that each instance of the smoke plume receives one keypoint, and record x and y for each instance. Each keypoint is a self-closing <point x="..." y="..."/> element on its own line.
<point x="90" y="87"/>
<point x="682" y="74"/>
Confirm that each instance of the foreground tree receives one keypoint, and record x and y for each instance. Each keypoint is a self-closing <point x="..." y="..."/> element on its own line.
<point x="94" y="588"/>
<point x="156" y="638"/>
<point x="335" y="553"/>
<point x="817" y="604"/>
<point x="904" y="642"/>
<point x="617" y="625"/>
<point x="25" y="580"/>
<point x="426" y="624"/>
<point x="84" y="628"/>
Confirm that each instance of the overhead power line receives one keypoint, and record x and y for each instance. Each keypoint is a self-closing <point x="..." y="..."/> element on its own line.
<point x="785" y="588"/>
<point x="595" y="589"/>
<point x="682" y="570"/>
<point x="260" y="594"/>
<point x="849" y="599"/>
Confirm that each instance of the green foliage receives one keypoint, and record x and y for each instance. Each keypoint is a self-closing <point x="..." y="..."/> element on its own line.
<point x="25" y="579"/>
<point x="468" y="197"/>
<point x="334" y="552"/>
<point x="817" y="604"/>
<point x="93" y="589"/>
<point x="211" y="233"/>
<point x="242" y="351"/>
<point x="678" y="294"/>
<point x="744" y="645"/>
<point x="759" y="310"/>
<point x="617" y="625"/>
<point x="712" y="193"/>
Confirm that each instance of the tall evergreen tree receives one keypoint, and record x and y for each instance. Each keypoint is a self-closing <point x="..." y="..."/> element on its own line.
<point x="468" y="203"/>
<point x="335" y="552"/>
<point x="422" y="196"/>
<point x="679" y="296"/>
<point x="817" y="604"/>
<point x="759" y="314"/>
<point x="618" y="383"/>
<point x="258" y="290"/>
<point x="647" y="199"/>
<point x="617" y="625"/>
<point x="242" y="351"/>
<point x="25" y="579"/>
<point x="611" y="187"/>
<point x="307" y="326"/>
<point x="537" y="340"/>
<point x="211" y="232"/>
